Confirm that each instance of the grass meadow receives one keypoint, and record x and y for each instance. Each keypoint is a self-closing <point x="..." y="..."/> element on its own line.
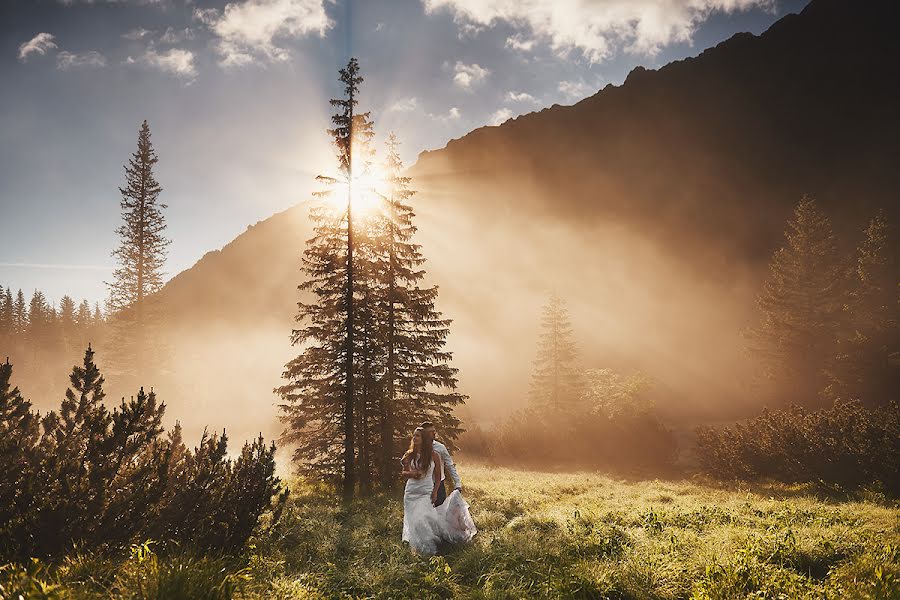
<point x="541" y="535"/>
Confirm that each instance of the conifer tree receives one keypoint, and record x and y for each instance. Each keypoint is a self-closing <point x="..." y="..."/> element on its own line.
<point x="39" y="323"/>
<point x="83" y="318"/>
<point x="78" y="432"/>
<point x="19" y="433"/>
<point x="321" y="397"/>
<point x="867" y="365"/>
<point x="20" y="314"/>
<point x="419" y="383"/>
<point x="67" y="327"/>
<point x="556" y="381"/>
<point x="800" y="307"/>
<point x="141" y="255"/>
<point x="7" y="320"/>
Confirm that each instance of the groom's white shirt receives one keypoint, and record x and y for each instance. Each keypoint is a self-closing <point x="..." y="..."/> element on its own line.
<point x="448" y="462"/>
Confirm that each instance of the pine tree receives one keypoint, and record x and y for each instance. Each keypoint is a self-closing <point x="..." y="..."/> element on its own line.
<point x="141" y="256"/>
<point x="320" y="398"/>
<point x="419" y="383"/>
<point x="67" y="326"/>
<point x="7" y="319"/>
<point x="800" y="307"/>
<point x="867" y="365"/>
<point x="19" y="432"/>
<point x="83" y="318"/>
<point x="71" y="438"/>
<point x="20" y="314"/>
<point x="556" y="382"/>
<point x="39" y="323"/>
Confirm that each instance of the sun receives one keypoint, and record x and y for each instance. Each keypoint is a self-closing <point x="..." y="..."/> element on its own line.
<point x="367" y="192"/>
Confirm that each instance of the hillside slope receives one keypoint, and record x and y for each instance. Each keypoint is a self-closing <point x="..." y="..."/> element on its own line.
<point x="651" y="207"/>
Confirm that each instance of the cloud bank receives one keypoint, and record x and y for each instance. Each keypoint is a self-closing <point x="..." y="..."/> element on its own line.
<point x="596" y="28"/>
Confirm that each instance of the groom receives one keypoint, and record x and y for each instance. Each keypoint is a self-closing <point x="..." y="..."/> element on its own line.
<point x="429" y="429"/>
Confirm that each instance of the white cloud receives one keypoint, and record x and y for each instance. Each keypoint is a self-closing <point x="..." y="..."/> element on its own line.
<point x="452" y="115"/>
<point x="39" y="44"/>
<point x="520" y="42"/>
<point x="138" y="33"/>
<point x="575" y="89"/>
<point x="176" y="36"/>
<point x="520" y="97"/>
<point x="405" y="105"/>
<point x="504" y="114"/>
<point x="251" y="29"/>
<point x="468" y="75"/>
<point x="69" y="60"/>
<point x="596" y="28"/>
<point x="174" y="61"/>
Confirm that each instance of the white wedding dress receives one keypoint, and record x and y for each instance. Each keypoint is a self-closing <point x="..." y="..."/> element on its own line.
<point x="425" y="526"/>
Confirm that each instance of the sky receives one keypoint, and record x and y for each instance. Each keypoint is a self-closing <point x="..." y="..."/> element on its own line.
<point x="236" y="95"/>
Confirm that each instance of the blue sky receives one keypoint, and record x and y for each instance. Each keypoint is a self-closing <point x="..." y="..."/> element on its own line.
<point x="236" y="96"/>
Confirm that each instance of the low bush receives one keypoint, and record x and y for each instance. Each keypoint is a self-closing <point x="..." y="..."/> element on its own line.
<point x="846" y="445"/>
<point x="88" y="475"/>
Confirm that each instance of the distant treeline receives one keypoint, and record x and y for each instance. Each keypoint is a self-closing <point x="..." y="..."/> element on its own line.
<point x="84" y="474"/>
<point x="43" y="338"/>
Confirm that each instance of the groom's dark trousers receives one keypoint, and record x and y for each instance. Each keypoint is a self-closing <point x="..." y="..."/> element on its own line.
<point x="442" y="494"/>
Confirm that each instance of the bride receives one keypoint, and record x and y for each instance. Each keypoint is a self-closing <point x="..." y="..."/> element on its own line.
<point x="424" y="525"/>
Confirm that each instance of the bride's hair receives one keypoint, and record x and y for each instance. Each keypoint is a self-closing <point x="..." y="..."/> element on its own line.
<point x="421" y="459"/>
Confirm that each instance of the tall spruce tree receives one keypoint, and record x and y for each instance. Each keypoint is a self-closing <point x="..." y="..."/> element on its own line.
<point x="800" y="308"/>
<point x="20" y="313"/>
<point x="83" y="318"/>
<point x="867" y="365"/>
<point x="7" y="319"/>
<point x="320" y="398"/>
<point x="141" y="255"/>
<point x="419" y="383"/>
<point x="67" y="325"/>
<point x="556" y="382"/>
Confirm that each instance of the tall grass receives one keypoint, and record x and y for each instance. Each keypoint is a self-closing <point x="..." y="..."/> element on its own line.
<point x="541" y="535"/>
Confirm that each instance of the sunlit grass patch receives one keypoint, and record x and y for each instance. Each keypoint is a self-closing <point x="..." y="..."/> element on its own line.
<point x="541" y="535"/>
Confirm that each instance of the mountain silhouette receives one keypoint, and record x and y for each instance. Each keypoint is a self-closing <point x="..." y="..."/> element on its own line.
<point x="652" y="207"/>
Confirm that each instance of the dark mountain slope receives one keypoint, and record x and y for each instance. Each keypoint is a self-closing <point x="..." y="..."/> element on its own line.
<point x="652" y="207"/>
<point x="713" y="149"/>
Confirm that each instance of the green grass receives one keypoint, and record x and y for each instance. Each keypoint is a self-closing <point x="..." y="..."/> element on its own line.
<point x="540" y="535"/>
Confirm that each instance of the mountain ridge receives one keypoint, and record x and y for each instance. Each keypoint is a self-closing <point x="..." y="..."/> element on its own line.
<point x="652" y="206"/>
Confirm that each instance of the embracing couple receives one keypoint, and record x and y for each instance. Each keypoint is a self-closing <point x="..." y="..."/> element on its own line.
<point x="430" y="516"/>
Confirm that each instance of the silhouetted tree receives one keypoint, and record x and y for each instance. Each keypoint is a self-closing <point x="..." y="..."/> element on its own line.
<point x="83" y="318"/>
<point x="556" y="382"/>
<point x="867" y="365"/>
<point x="67" y="326"/>
<point x="19" y="434"/>
<point x="7" y="319"/>
<point x="320" y="398"/>
<point x="419" y="383"/>
<point x="141" y="256"/>
<point x="20" y="314"/>
<point x="800" y="307"/>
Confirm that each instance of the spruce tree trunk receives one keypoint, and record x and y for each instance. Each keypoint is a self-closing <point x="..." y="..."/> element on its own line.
<point x="387" y="401"/>
<point x="349" y="472"/>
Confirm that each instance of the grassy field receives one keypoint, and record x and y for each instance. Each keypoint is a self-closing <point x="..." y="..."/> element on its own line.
<point x="541" y="535"/>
